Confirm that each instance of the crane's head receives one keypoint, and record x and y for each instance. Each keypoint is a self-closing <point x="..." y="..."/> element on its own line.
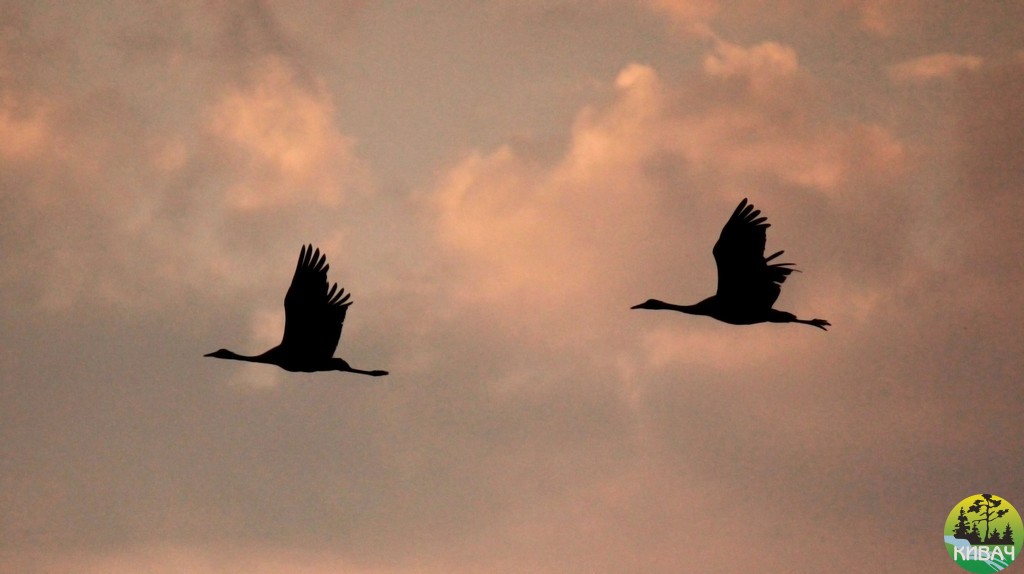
<point x="221" y="354"/>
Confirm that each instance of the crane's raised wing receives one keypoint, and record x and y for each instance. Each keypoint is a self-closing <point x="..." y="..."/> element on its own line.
<point x="313" y="312"/>
<point x="745" y="278"/>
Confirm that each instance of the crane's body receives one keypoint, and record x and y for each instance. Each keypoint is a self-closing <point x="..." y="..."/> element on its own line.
<point x="748" y="282"/>
<point x="314" y="314"/>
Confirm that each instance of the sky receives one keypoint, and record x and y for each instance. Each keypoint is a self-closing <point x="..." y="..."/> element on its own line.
<point x="497" y="183"/>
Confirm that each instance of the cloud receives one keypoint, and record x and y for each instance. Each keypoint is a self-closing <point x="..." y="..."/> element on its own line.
<point x="934" y="67"/>
<point x="699" y="17"/>
<point x="284" y="138"/>
<point x="579" y="230"/>
<point x="527" y="233"/>
<point x="694" y="15"/>
<point x="146" y="185"/>
<point x="984" y="208"/>
<point x="884" y="17"/>
<point x="22" y="137"/>
<point x="759" y="63"/>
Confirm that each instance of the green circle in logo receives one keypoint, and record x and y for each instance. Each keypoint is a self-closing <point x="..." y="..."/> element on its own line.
<point x="984" y="533"/>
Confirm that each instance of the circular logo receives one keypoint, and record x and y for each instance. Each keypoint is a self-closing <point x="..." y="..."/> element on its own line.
<point x="984" y="533"/>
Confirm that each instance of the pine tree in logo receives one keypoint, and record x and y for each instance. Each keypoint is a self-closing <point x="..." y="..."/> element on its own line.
<point x="1007" y="536"/>
<point x="986" y="506"/>
<point x="962" y="529"/>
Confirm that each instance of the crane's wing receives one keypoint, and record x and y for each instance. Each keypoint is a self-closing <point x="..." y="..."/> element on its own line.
<point x="745" y="277"/>
<point x="313" y="312"/>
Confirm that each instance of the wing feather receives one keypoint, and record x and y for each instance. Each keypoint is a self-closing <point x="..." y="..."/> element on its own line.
<point x="745" y="277"/>
<point x="314" y="310"/>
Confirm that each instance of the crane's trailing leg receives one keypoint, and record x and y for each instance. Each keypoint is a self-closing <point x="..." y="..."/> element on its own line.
<point x="786" y="317"/>
<point x="819" y="323"/>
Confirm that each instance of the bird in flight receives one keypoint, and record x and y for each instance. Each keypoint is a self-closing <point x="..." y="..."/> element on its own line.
<point x="748" y="282"/>
<point x="314" y="313"/>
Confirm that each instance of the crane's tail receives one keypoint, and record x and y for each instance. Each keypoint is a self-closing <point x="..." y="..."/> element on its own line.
<point x="778" y="272"/>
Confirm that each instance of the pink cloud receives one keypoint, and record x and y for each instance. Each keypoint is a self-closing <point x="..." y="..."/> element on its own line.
<point x="619" y="208"/>
<point x="116" y="174"/>
<point x="934" y="67"/>
<point x="886" y="17"/>
<point x="23" y="134"/>
<point x="882" y="17"/>
<point x="693" y="15"/>
<point x="285" y="134"/>
<point x="760" y="63"/>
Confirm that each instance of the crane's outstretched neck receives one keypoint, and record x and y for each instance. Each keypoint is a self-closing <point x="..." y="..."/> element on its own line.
<point x="226" y="354"/>
<point x="656" y="305"/>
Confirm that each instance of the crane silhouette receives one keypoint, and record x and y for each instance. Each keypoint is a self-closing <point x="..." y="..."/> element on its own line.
<point x="748" y="283"/>
<point x="313" y="317"/>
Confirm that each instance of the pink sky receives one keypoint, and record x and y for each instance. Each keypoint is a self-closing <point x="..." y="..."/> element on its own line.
<point x="497" y="183"/>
